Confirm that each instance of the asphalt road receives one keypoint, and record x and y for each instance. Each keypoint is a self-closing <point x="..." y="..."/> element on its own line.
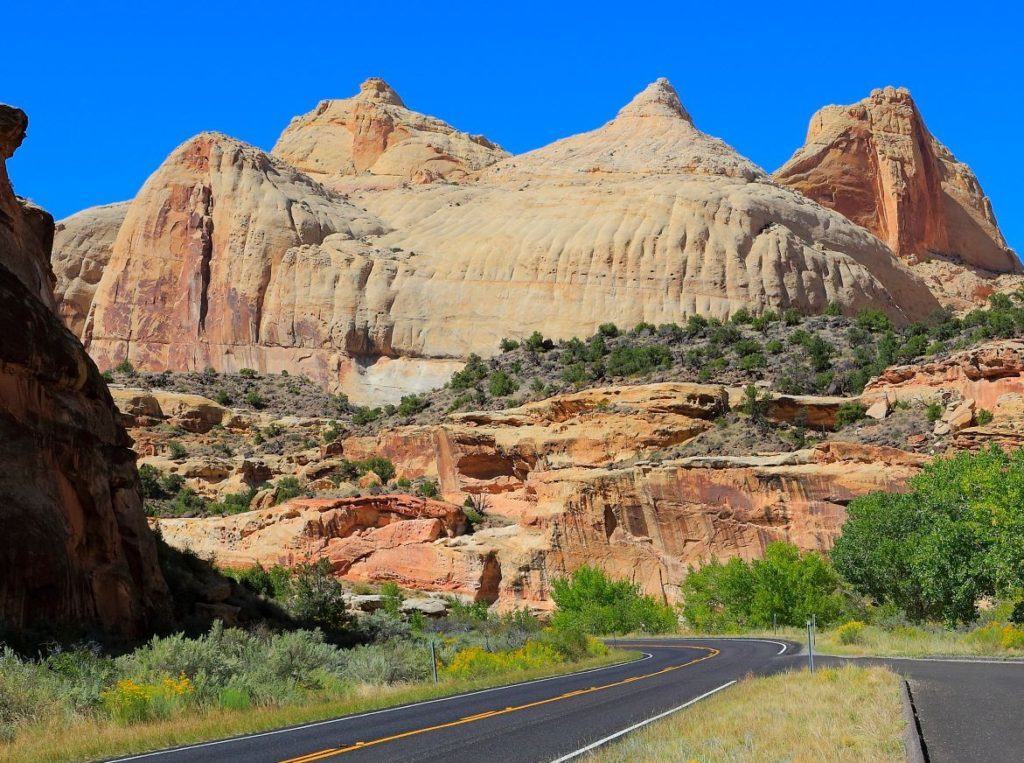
<point x="544" y="720"/>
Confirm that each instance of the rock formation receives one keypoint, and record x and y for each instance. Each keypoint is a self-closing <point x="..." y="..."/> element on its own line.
<point x="75" y="551"/>
<point x="373" y="133"/>
<point x="81" y="250"/>
<point x="877" y="163"/>
<point x="230" y="258"/>
<point x="26" y="231"/>
<point x="373" y="539"/>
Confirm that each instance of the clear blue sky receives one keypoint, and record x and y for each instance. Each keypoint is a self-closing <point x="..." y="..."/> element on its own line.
<point x="111" y="91"/>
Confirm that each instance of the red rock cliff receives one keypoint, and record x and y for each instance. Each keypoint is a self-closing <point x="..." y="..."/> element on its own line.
<point x="75" y="552"/>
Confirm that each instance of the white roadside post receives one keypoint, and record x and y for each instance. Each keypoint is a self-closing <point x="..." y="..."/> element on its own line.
<point x="810" y="644"/>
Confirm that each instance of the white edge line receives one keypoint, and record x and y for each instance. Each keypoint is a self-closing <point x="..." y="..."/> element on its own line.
<point x="968" y="660"/>
<point x="155" y="753"/>
<point x="635" y="726"/>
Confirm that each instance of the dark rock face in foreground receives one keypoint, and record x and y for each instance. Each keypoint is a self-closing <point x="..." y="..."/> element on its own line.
<point x="75" y="551"/>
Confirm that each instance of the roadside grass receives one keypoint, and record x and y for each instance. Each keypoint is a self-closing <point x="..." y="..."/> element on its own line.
<point x="93" y="739"/>
<point x="836" y="714"/>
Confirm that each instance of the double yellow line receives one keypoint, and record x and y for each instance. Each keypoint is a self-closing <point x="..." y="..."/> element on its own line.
<point x="333" y="751"/>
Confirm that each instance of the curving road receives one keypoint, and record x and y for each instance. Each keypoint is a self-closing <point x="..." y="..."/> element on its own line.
<point x="552" y="719"/>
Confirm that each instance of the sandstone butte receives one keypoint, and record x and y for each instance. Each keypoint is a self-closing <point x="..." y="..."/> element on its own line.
<point x="75" y="551"/>
<point x="877" y="163"/>
<point x="377" y="283"/>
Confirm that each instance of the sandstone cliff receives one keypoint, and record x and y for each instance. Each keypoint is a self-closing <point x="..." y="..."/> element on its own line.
<point x="81" y="250"/>
<point x="231" y="258"/>
<point x="877" y="163"/>
<point x="374" y="134"/>
<point x="75" y="551"/>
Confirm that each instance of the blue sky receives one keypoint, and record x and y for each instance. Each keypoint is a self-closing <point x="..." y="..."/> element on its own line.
<point x="110" y="90"/>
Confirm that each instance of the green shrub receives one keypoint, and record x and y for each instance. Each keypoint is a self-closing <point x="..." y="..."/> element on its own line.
<point x="362" y="416"/>
<point x="176" y="450"/>
<point x="254" y="399"/>
<point x="871" y="319"/>
<point x="248" y="373"/>
<point x="933" y="412"/>
<point x="792" y="317"/>
<point x="287" y="488"/>
<point x="849" y="413"/>
<point x="428" y="489"/>
<point x="391" y="598"/>
<point x="107" y="377"/>
<point x="851" y="632"/>
<point x="537" y="343"/>
<point x="609" y="330"/>
<point x="380" y="466"/>
<point x="125" y="367"/>
<point x="773" y="347"/>
<point x="741" y="316"/>
<point x="508" y="345"/>
<point x="501" y="384"/>
<point x="833" y="309"/>
<point x="410" y="405"/>
<point x="471" y="374"/>
<point x="633" y="361"/>
<point x="752" y="362"/>
<point x="983" y="417"/>
<point x="223" y="397"/>
<point x="590" y="602"/>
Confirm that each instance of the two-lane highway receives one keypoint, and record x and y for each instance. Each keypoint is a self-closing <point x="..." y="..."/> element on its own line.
<point x="545" y="720"/>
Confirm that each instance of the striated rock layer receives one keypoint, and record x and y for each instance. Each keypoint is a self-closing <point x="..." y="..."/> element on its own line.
<point x="877" y="164"/>
<point x="231" y="258"/>
<point x="75" y="551"/>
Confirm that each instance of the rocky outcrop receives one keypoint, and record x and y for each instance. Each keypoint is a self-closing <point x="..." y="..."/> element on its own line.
<point x="81" y="250"/>
<point x="26" y="231"/>
<point x="877" y="164"/>
<point x="991" y="374"/>
<point x="374" y="539"/>
<point x="374" y="134"/>
<point x="75" y="552"/>
<point x="231" y="258"/>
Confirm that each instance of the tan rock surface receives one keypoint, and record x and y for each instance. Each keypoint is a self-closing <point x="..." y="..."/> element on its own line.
<point x="82" y="245"/>
<point x="229" y="258"/>
<point x="75" y="552"/>
<point x="373" y="133"/>
<point x="877" y="163"/>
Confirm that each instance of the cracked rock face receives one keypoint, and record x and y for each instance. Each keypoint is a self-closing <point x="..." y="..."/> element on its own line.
<point x="75" y="551"/>
<point x="877" y="164"/>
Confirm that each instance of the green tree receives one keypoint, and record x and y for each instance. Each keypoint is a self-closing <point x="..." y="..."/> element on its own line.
<point x="786" y="585"/>
<point x="501" y="384"/>
<point x="317" y="599"/>
<point x="592" y="602"/>
<point x="956" y="536"/>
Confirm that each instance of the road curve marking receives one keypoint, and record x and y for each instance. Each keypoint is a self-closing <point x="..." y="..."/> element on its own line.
<point x="635" y="726"/>
<point x="331" y="752"/>
<point x="343" y="718"/>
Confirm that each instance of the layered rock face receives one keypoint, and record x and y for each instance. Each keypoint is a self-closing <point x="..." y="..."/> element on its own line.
<point x="75" y="551"/>
<point x="231" y="258"/>
<point x="877" y="164"/>
<point x="374" y="134"/>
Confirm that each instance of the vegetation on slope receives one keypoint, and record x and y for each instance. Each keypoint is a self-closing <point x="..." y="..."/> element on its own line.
<point x="792" y="353"/>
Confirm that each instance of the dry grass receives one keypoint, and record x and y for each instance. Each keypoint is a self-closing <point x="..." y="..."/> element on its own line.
<point x="836" y="714"/>
<point x="94" y="739"/>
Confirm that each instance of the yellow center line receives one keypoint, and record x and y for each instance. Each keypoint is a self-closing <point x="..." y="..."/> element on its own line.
<point x="333" y="751"/>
